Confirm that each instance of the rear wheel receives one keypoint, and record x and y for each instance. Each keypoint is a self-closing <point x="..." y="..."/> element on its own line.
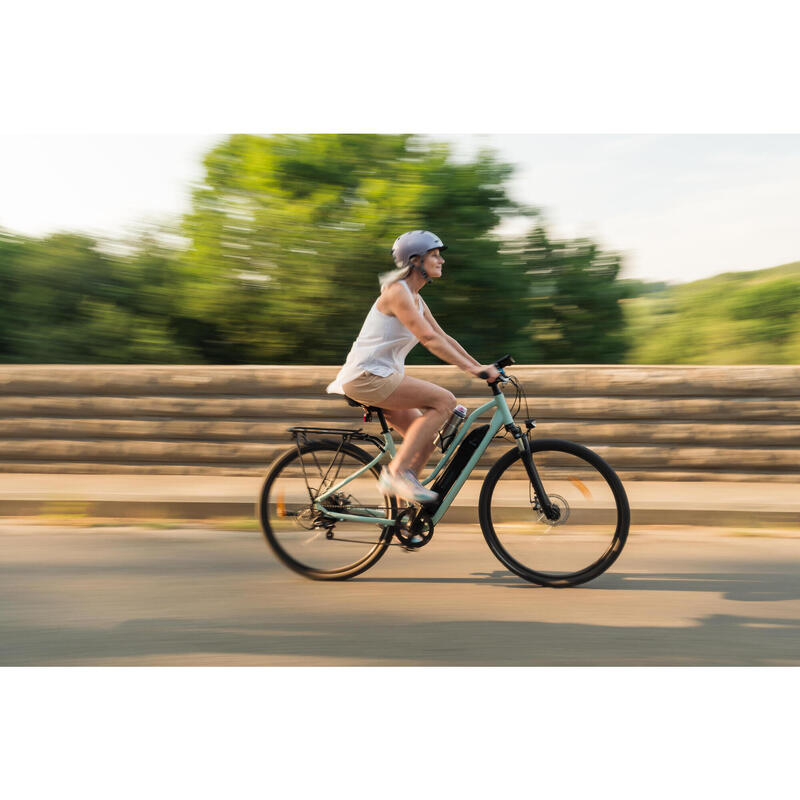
<point x="305" y="539"/>
<point x="593" y="514"/>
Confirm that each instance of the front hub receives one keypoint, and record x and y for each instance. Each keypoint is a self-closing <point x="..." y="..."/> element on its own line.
<point x="560" y="511"/>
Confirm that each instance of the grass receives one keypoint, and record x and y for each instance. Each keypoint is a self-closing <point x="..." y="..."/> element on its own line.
<point x="77" y="520"/>
<point x="248" y="524"/>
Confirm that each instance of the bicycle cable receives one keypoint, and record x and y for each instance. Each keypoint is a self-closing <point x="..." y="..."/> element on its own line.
<point x="516" y="404"/>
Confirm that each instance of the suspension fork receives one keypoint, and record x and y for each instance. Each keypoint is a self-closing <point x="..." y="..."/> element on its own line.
<point x="550" y="511"/>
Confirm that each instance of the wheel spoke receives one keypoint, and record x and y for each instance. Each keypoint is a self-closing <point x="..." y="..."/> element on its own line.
<point x="299" y="533"/>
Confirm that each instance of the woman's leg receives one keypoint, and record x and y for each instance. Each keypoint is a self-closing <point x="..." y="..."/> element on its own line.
<point x="433" y="405"/>
<point x="402" y="419"/>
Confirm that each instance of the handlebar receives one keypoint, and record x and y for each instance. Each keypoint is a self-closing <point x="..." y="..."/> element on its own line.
<point x="505" y="361"/>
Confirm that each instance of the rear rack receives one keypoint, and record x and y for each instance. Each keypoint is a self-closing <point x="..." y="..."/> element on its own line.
<point x="302" y="431"/>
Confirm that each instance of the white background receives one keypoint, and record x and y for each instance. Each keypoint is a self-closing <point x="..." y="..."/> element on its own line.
<point x="443" y="68"/>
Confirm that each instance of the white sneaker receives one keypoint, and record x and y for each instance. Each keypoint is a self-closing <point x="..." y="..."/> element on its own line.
<point x="405" y="485"/>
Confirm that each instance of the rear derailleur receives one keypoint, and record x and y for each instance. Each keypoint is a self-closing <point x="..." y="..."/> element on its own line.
<point x="340" y="503"/>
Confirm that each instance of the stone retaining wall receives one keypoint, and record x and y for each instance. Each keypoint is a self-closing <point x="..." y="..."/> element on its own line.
<point x="673" y="422"/>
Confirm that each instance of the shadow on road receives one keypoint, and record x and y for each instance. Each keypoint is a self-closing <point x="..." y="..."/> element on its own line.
<point x="718" y="639"/>
<point x="763" y="587"/>
<point x="79" y="600"/>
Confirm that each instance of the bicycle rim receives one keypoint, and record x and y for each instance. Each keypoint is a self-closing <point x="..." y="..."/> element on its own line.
<point x="593" y="517"/>
<point x="303" y="538"/>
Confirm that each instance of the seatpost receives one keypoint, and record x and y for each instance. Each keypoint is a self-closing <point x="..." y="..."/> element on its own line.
<point x="384" y="426"/>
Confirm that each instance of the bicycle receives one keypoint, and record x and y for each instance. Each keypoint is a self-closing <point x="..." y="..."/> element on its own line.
<point x="561" y="521"/>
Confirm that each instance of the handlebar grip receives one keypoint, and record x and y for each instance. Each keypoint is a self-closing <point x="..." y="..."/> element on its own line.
<point x="483" y="374"/>
<point x="505" y="361"/>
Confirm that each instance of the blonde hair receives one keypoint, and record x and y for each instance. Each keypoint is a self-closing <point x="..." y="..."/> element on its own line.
<point x="386" y="279"/>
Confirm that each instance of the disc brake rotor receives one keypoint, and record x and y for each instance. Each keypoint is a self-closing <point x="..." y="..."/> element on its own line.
<point x="558" y="502"/>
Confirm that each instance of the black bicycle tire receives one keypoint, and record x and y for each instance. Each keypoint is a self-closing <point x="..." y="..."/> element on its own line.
<point x="543" y="578"/>
<point x="343" y="573"/>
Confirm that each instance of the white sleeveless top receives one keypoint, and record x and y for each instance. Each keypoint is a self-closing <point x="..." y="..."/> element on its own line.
<point x="381" y="347"/>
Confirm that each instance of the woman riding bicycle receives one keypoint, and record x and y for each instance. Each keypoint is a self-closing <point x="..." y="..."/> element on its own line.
<point x="374" y="372"/>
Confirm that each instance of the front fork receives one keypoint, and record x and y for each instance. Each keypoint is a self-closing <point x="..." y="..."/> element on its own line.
<point x="523" y="442"/>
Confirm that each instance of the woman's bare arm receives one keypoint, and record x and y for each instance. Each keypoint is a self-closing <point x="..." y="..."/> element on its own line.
<point x="436" y="327"/>
<point x="402" y="306"/>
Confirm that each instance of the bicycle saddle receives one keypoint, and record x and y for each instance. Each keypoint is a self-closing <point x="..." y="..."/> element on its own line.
<point x="368" y="411"/>
<point x="356" y="404"/>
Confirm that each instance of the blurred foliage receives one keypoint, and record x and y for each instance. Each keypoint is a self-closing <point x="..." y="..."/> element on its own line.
<point x="289" y="234"/>
<point x="65" y="301"/>
<point x="573" y="301"/>
<point x="279" y="257"/>
<point x="735" y="318"/>
<point x="637" y="288"/>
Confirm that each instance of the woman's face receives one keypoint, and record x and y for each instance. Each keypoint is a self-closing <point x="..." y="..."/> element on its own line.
<point x="433" y="263"/>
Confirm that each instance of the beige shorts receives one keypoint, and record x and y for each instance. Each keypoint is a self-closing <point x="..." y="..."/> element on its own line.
<point x="372" y="389"/>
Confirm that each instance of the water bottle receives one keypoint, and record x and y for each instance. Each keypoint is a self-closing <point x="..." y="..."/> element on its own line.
<point x="450" y="429"/>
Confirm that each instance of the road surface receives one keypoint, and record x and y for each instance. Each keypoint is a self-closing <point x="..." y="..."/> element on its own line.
<point x="195" y="595"/>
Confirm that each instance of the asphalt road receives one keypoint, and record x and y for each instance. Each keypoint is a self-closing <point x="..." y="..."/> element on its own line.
<point x="199" y="596"/>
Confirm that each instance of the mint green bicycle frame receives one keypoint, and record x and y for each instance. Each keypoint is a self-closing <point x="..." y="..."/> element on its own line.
<point x="502" y="416"/>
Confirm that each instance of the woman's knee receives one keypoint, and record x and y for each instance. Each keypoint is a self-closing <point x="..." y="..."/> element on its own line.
<point x="445" y="402"/>
<point x="427" y="397"/>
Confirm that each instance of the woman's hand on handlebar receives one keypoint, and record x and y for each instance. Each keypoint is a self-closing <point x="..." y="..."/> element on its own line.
<point x="487" y="372"/>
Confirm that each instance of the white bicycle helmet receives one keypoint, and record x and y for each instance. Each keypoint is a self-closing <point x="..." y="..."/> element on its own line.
<point x="415" y="243"/>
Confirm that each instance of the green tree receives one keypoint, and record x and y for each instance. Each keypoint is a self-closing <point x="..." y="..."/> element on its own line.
<point x="62" y="274"/>
<point x="11" y="248"/>
<point x="735" y="318"/>
<point x="289" y="234"/>
<point x="574" y="300"/>
<point x="279" y="262"/>
<point x="67" y="301"/>
<point x="767" y="312"/>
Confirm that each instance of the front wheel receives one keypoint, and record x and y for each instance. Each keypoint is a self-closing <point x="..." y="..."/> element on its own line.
<point x="593" y="515"/>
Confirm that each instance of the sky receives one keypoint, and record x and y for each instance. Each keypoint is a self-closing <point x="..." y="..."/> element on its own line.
<point x="677" y="207"/>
